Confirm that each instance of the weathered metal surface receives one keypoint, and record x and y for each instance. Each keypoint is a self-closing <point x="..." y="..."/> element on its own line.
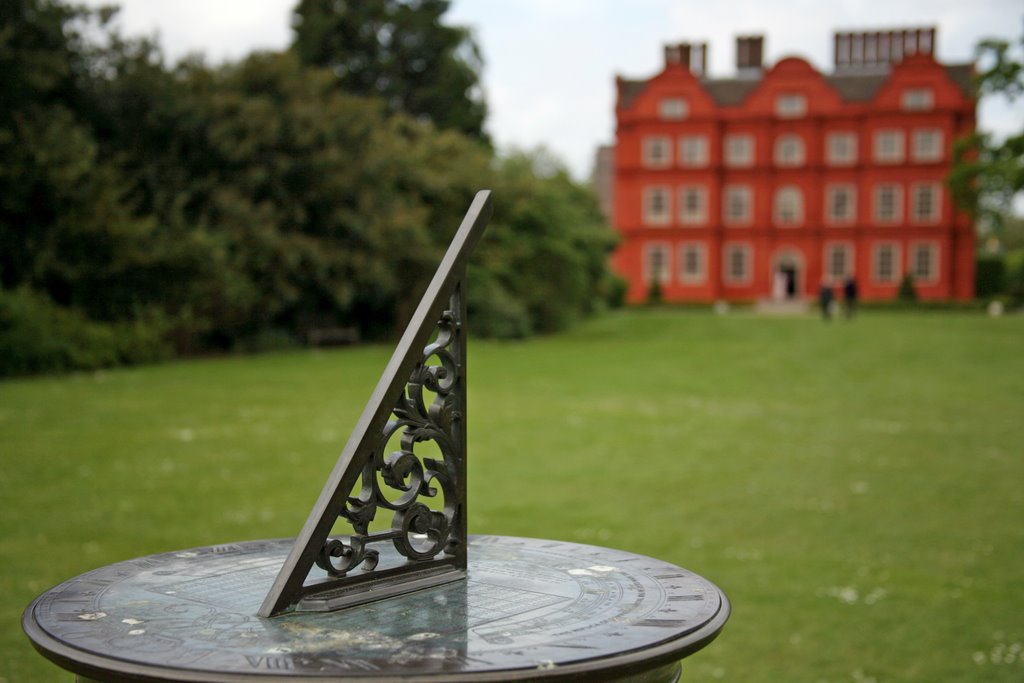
<point x="422" y="397"/>
<point x="530" y="610"/>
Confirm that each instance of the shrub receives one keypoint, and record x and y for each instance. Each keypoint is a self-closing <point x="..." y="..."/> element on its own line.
<point x="617" y="288"/>
<point x="493" y="310"/>
<point x="38" y="336"/>
<point x="989" y="276"/>
<point x="654" y="293"/>
<point x="907" y="292"/>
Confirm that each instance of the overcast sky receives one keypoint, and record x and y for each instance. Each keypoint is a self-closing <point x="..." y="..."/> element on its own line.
<point x="550" y="65"/>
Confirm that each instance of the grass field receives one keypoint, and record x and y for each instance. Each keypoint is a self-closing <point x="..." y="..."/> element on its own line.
<point x="857" y="489"/>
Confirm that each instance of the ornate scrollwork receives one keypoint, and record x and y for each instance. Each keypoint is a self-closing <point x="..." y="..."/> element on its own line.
<point x="401" y="480"/>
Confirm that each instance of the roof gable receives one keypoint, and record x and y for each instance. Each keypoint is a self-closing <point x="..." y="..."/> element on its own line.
<point x="794" y="76"/>
<point x="921" y="71"/>
<point x="642" y="98"/>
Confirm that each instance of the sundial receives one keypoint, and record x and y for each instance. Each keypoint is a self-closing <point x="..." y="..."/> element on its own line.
<point x="383" y="583"/>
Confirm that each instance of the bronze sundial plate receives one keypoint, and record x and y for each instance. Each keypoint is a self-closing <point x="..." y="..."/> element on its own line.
<point x="530" y="609"/>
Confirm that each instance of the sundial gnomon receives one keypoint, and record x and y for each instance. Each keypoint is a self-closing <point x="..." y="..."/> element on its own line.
<point x="404" y="591"/>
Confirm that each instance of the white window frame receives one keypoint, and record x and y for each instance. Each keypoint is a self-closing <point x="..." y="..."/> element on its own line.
<point x="833" y="189"/>
<point x="673" y="108"/>
<point x="897" y="272"/>
<point x="934" y="212"/>
<point x="932" y="248"/>
<point x="917" y="99"/>
<point x="665" y="276"/>
<point x="746" y="192"/>
<point x="841" y="148"/>
<point x="789" y="151"/>
<point x="701" y="251"/>
<point x="876" y="204"/>
<point x="657" y="151"/>
<point x="926" y="144"/>
<point x="663" y="218"/>
<point x="699" y="216"/>
<point x="748" y="262"/>
<point x="790" y="105"/>
<point x="738" y="150"/>
<point x="693" y="151"/>
<point x="890" y="146"/>
<point x="848" y="259"/>
<point x="785" y="195"/>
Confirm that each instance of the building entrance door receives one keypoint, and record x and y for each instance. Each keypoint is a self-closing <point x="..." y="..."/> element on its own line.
<point x="786" y="284"/>
<point x="788" y="273"/>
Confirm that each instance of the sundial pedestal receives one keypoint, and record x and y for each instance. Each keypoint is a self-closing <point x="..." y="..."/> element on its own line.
<point x="530" y="610"/>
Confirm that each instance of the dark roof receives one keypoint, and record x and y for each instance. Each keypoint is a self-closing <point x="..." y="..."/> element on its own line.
<point x="729" y="92"/>
<point x="629" y="91"/>
<point x="963" y="76"/>
<point x="852" y="87"/>
<point x="856" y="87"/>
<point x="862" y="87"/>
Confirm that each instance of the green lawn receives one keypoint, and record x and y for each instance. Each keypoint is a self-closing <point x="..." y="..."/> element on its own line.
<point x="857" y="489"/>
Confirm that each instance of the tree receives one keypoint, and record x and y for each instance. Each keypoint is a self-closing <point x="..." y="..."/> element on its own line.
<point x="212" y="207"/>
<point x="399" y="51"/>
<point x="543" y="263"/>
<point x="988" y="174"/>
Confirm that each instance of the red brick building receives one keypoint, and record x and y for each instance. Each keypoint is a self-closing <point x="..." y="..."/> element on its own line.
<point x="767" y="184"/>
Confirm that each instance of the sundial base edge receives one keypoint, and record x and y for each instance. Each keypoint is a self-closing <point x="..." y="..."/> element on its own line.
<point x="529" y="609"/>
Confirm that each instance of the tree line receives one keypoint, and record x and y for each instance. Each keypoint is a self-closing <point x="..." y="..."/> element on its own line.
<point x="150" y="209"/>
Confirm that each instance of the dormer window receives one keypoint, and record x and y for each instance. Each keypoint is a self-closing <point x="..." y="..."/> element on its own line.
<point x="673" y="108"/>
<point x="790" y="106"/>
<point x="917" y="99"/>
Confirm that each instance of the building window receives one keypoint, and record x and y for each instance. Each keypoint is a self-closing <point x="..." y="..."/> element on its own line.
<point x="657" y="152"/>
<point x="789" y="206"/>
<point x="838" y="261"/>
<point x="841" y="149"/>
<point x="737" y="206"/>
<point x="737" y="263"/>
<point x="739" y="150"/>
<point x="656" y="206"/>
<point x="917" y="99"/>
<point x="789" y="151"/>
<point x="693" y="205"/>
<point x="927" y="145"/>
<point x="656" y="264"/>
<point x="692" y="260"/>
<point x="924" y="203"/>
<point x="888" y="203"/>
<point x="673" y="108"/>
<point x="886" y="263"/>
<point x="693" y="150"/>
<point x="889" y="146"/>
<point x="841" y="204"/>
<point x="790" y="106"/>
<point x="924" y="262"/>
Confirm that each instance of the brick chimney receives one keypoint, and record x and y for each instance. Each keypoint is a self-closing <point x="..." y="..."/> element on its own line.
<point x="874" y="49"/>
<point x="693" y="57"/>
<point x="749" y="53"/>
